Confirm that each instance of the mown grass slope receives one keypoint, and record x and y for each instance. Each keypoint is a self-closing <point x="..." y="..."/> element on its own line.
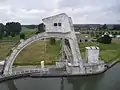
<point x="38" y="51"/>
<point x="108" y="52"/>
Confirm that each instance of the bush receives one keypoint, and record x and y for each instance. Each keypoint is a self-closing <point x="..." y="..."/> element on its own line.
<point x="106" y="39"/>
<point x="1" y="36"/>
<point x="22" y="36"/>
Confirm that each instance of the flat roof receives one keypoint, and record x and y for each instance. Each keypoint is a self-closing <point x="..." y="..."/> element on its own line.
<point x="92" y="47"/>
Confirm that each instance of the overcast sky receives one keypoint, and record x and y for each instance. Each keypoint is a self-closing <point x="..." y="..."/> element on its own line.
<point x="81" y="11"/>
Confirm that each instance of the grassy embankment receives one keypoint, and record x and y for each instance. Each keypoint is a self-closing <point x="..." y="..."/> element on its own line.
<point x="108" y="52"/>
<point x="41" y="50"/>
<point x="37" y="51"/>
<point x="8" y="42"/>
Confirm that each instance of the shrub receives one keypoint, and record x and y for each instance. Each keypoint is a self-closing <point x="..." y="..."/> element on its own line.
<point x="106" y="39"/>
<point x="22" y="36"/>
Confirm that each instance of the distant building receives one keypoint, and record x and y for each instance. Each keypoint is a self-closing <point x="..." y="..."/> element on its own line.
<point x="83" y="37"/>
<point x="78" y="27"/>
<point x="117" y="36"/>
<point x="106" y="33"/>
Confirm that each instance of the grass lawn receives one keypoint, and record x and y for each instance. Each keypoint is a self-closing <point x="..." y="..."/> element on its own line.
<point x="38" y="51"/>
<point x="4" y="48"/>
<point x="108" y="52"/>
<point x="28" y="32"/>
<point x="8" y="42"/>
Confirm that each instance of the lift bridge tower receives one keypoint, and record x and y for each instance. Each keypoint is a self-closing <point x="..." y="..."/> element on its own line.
<point x="61" y="25"/>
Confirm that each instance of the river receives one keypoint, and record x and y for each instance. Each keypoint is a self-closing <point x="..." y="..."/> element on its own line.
<point x="110" y="80"/>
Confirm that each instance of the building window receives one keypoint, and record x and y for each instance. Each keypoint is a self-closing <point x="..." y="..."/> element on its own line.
<point x="59" y="24"/>
<point x="80" y="40"/>
<point x="55" y="24"/>
<point x="86" y="40"/>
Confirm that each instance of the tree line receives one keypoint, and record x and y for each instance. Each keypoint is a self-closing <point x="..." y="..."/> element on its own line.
<point x="14" y="28"/>
<point x="10" y="29"/>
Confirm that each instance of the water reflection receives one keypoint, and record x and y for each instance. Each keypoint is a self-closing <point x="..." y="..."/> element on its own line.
<point x="109" y="80"/>
<point x="85" y="83"/>
<point x="11" y="85"/>
<point x="62" y="84"/>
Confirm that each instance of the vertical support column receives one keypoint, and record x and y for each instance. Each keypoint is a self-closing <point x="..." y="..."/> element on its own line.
<point x="42" y="65"/>
<point x="62" y="44"/>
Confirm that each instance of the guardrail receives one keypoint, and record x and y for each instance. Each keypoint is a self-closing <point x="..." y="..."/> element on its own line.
<point x="22" y="73"/>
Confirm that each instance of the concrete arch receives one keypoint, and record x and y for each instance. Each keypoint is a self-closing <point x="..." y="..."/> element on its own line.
<point x="11" y="58"/>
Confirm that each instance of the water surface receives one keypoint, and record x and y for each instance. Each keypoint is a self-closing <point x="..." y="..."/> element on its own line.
<point x="109" y="80"/>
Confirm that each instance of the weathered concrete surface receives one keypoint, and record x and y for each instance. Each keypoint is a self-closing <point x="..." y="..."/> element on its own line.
<point x="65" y="31"/>
<point x="60" y="26"/>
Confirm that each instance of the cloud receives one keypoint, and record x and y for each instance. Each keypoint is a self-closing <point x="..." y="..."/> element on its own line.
<point x="81" y="11"/>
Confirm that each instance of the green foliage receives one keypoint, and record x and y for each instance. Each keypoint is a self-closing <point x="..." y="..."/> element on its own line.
<point x="1" y="30"/>
<point x="22" y="36"/>
<point x="12" y="28"/>
<point x="116" y="27"/>
<point x="105" y="27"/>
<point x="106" y="39"/>
<point x="1" y="36"/>
<point x="87" y="32"/>
<point x="116" y="33"/>
<point x="41" y="28"/>
<point x="108" y="52"/>
<point x="52" y="41"/>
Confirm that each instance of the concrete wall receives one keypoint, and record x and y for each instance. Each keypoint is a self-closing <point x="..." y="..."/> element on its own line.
<point x="92" y="54"/>
<point x="83" y="37"/>
<point x="60" y="18"/>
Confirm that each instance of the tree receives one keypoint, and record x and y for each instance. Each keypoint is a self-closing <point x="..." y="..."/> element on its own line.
<point x="1" y="30"/>
<point x="105" y="27"/>
<point x="41" y="28"/>
<point x="116" y="27"/>
<point x="116" y="33"/>
<point x="22" y="36"/>
<point x="106" y="39"/>
<point x="13" y="28"/>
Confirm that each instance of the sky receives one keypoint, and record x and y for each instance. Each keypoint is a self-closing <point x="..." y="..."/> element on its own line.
<point x="81" y="11"/>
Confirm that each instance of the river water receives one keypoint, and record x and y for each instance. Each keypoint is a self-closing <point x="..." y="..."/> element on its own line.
<point x="109" y="80"/>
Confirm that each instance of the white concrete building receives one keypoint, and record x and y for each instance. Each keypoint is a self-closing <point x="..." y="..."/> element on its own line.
<point x="92" y="54"/>
<point x="58" y="23"/>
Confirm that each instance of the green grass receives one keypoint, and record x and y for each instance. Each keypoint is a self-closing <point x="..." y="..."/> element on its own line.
<point x="8" y="42"/>
<point x="28" y="32"/>
<point x="108" y="52"/>
<point x="38" y="51"/>
<point x="4" y="49"/>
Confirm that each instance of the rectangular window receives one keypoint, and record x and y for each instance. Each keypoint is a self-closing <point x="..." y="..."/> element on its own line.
<point x="59" y="24"/>
<point x="55" y="24"/>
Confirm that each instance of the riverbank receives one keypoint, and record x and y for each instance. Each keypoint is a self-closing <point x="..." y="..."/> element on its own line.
<point x="39" y="74"/>
<point x="111" y="64"/>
